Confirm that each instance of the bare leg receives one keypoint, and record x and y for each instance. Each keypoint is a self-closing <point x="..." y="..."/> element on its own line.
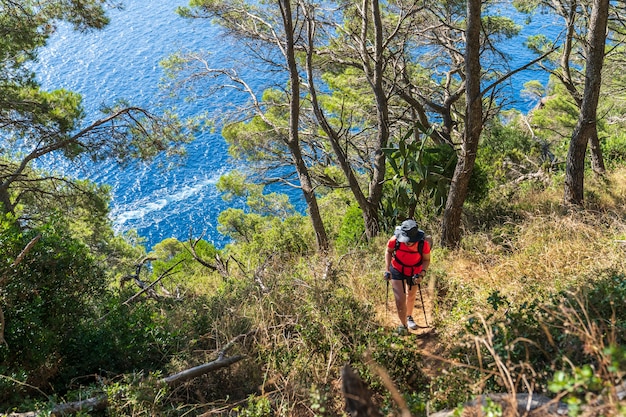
<point x="400" y="297"/>
<point x="410" y="299"/>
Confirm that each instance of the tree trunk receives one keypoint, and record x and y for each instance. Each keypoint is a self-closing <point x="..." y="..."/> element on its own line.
<point x="370" y="215"/>
<point x="370" y="202"/>
<point x="371" y="219"/>
<point x="294" y="141"/>
<point x="6" y="206"/>
<point x="311" y="200"/>
<point x="451" y="229"/>
<point x="570" y="14"/>
<point x="586" y="126"/>
<point x="597" y="160"/>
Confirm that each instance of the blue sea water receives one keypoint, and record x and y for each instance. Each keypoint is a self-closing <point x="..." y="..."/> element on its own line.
<point x="122" y="62"/>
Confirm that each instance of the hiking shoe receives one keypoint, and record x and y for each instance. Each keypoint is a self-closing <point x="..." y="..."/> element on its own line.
<point x="411" y="323"/>
<point x="402" y="331"/>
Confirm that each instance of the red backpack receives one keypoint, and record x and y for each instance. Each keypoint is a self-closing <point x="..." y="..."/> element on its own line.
<point x="420" y="249"/>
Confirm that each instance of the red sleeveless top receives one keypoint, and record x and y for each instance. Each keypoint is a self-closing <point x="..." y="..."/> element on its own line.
<point x="407" y="258"/>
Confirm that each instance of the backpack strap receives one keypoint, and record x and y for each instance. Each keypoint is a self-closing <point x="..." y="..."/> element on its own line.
<point x="420" y="250"/>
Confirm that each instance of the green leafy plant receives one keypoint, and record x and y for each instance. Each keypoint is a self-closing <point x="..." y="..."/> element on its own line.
<point x="46" y="296"/>
<point x="417" y="170"/>
<point x="575" y="386"/>
<point x="256" y="406"/>
<point x="352" y="228"/>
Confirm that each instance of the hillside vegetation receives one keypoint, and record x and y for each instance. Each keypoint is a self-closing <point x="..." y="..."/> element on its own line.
<point x="391" y="111"/>
<point x="533" y="301"/>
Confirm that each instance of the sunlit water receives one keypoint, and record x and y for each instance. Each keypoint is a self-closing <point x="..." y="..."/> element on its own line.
<point x="122" y="62"/>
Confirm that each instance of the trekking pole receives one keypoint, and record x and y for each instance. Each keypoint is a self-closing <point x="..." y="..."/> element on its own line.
<point x="419" y="287"/>
<point x="387" y="299"/>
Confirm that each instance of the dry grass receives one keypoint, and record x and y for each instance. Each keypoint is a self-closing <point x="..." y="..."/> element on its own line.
<point x="549" y="250"/>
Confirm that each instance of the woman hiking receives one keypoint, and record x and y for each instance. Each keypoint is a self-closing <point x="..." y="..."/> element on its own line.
<point x="407" y="259"/>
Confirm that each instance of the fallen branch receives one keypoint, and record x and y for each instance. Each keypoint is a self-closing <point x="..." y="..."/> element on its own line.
<point x="202" y="369"/>
<point x="220" y="265"/>
<point x="139" y="281"/>
<point x="138" y="268"/>
<point x="525" y="404"/>
<point x="144" y="288"/>
<point x="221" y="362"/>
<point x="100" y="402"/>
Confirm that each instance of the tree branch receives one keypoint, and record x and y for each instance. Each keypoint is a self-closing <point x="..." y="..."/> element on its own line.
<point x="151" y="286"/>
<point x="27" y="249"/>
<point x="515" y="71"/>
<point x="100" y="402"/>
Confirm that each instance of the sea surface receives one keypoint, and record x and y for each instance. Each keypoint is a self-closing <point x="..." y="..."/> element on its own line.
<point x="122" y="62"/>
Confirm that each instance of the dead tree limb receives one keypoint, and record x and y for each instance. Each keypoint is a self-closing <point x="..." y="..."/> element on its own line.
<point x="220" y="265"/>
<point x="219" y="363"/>
<point x="522" y="403"/>
<point x="146" y="288"/>
<point x="25" y="251"/>
<point x="257" y="274"/>
<point x="100" y="402"/>
<point x="192" y="250"/>
<point x="150" y="287"/>
<point x="137" y="273"/>
<point x="328" y="270"/>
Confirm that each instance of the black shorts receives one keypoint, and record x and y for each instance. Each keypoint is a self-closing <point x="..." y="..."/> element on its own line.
<point x="397" y="275"/>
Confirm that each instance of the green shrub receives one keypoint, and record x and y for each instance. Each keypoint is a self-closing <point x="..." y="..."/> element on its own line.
<point x="503" y="146"/>
<point x="571" y="332"/>
<point x="397" y="355"/>
<point x="479" y="184"/>
<point x="255" y="407"/>
<point x="128" y="339"/>
<point x="352" y="228"/>
<point x="614" y="150"/>
<point x="45" y="298"/>
<point x="136" y="394"/>
<point x="255" y="236"/>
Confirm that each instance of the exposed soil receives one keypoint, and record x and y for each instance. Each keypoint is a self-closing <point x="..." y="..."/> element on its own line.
<point x="427" y="341"/>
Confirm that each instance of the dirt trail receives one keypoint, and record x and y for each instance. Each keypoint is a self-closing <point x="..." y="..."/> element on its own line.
<point x="426" y="339"/>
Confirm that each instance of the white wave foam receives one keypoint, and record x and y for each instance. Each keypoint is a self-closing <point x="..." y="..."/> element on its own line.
<point x="157" y="203"/>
